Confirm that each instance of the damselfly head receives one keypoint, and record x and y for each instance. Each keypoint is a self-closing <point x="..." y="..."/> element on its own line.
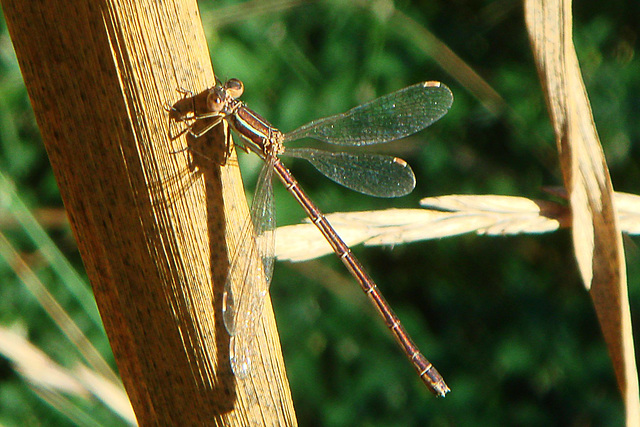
<point x="234" y="88"/>
<point x="216" y="100"/>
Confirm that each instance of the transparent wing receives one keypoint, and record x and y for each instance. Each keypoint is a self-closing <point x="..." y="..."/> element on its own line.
<point x="371" y="174"/>
<point x="384" y="119"/>
<point x="250" y="275"/>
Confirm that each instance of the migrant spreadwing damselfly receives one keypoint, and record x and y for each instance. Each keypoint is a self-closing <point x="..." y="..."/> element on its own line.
<point x="384" y="119"/>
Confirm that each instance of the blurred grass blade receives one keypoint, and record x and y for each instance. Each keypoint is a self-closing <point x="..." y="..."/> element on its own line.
<point x="233" y="13"/>
<point x="596" y="237"/>
<point x="57" y="385"/>
<point x="73" y="284"/>
<point x="11" y="203"/>
<point x="66" y="406"/>
<point x="110" y="393"/>
<point x="66" y="324"/>
<point x="35" y="366"/>
<point x="418" y="36"/>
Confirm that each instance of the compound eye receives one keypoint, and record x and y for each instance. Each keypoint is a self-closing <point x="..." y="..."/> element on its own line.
<point x="234" y="88"/>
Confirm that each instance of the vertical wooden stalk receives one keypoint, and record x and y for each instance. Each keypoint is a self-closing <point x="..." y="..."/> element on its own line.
<point x="152" y="235"/>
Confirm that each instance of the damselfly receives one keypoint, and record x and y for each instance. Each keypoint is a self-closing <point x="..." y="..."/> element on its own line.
<point x="384" y="119"/>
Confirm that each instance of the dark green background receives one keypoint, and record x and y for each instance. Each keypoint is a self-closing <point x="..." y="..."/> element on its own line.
<point x="506" y="320"/>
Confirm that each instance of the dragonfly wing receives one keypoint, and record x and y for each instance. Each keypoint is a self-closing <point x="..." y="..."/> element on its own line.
<point x="371" y="174"/>
<point x="384" y="119"/>
<point x="249" y="276"/>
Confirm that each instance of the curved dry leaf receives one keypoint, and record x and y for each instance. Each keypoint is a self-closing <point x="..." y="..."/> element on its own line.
<point x="596" y="237"/>
<point x="628" y="206"/>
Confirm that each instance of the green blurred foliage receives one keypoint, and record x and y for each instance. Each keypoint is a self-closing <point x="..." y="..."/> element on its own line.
<point x="506" y="320"/>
